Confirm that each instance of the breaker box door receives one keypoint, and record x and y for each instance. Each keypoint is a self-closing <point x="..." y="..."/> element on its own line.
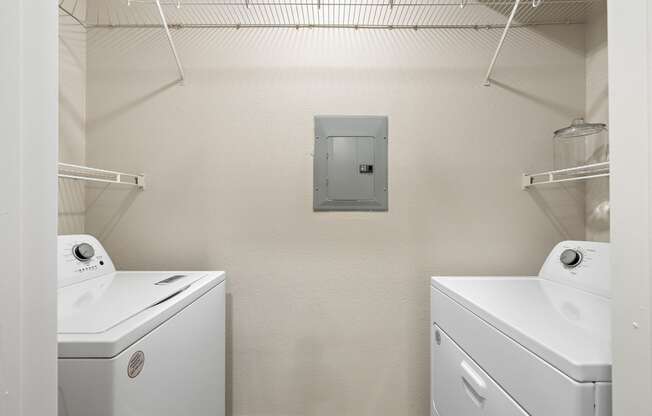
<point x="350" y="168"/>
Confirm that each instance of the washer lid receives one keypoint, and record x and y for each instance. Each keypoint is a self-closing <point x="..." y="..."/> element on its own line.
<point x="101" y="317"/>
<point x="97" y="305"/>
<point x="566" y="327"/>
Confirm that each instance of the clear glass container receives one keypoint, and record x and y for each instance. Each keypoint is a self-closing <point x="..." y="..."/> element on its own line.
<point x="580" y="144"/>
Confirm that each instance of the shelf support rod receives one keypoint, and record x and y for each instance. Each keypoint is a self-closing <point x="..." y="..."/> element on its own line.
<point x="164" y="22"/>
<point x="72" y="15"/>
<point x="487" y="79"/>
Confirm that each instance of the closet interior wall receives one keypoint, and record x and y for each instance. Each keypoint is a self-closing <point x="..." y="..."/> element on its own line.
<point x="72" y="121"/>
<point x="597" y="111"/>
<point x="328" y="312"/>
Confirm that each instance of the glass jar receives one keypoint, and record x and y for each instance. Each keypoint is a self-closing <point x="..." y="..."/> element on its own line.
<point x="580" y="144"/>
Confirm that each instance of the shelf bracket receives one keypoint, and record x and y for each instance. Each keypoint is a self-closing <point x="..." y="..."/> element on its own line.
<point x="164" y="22"/>
<point x="487" y="79"/>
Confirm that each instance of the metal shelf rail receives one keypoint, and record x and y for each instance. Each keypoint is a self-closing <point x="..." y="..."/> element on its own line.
<point x="83" y="173"/>
<point x="354" y="14"/>
<point x="580" y="173"/>
<point x="342" y="14"/>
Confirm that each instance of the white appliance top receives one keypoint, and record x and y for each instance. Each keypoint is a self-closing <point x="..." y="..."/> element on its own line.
<point x="562" y="316"/>
<point x="97" y="305"/>
<point x="101" y="312"/>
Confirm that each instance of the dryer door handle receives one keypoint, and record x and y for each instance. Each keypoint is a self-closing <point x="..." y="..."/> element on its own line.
<point x="473" y="384"/>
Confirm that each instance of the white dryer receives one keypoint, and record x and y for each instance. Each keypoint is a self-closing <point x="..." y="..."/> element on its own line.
<point x="537" y="346"/>
<point x="137" y="343"/>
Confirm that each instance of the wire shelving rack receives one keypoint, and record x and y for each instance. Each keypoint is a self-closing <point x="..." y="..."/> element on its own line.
<point x="87" y="174"/>
<point x="351" y="14"/>
<point x="333" y="14"/>
<point x="580" y="173"/>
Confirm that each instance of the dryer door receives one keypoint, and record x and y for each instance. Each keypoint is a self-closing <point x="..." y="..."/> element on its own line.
<point x="460" y="387"/>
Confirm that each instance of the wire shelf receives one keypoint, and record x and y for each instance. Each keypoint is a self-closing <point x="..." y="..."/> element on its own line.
<point x="580" y="173"/>
<point x="84" y="173"/>
<point x="353" y="14"/>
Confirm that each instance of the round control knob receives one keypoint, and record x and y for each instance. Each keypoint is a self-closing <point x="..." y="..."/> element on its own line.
<point x="570" y="258"/>
<point x="83" y="252"/>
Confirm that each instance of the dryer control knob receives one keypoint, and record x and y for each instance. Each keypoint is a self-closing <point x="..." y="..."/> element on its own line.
<point x="83" y="252"/>
<point x="570" y="258"/>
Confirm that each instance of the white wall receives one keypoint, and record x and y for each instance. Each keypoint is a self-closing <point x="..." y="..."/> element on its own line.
<point x="72" y="121"/>
<point x="597" y="111"/>
<point x="329" y="311"/>
<point x="630" y="53"/>
<point x="28" y="153"/>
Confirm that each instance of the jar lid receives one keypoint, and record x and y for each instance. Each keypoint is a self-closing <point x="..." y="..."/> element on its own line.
<point x="579" y="128"/>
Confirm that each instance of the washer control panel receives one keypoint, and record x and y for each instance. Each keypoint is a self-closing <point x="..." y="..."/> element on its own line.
<point x="81" y="257"/>
<point x="571" y="258"/>
<point x="83" y="252"/>
<point x="582" y="264"/>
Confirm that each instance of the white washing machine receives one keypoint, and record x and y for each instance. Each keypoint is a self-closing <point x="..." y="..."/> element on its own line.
<point x="137" y="343"/>
<point x="537" y="346"/>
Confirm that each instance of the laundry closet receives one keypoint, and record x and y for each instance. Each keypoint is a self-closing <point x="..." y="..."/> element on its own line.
<point x="204" y="135"/>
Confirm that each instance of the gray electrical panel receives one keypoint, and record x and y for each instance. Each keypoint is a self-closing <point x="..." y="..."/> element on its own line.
<point x="350" y="167"/>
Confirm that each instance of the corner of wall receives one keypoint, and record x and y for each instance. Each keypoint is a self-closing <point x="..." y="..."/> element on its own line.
<point x="72" y="122"/>
<point x="597" y="207"/>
